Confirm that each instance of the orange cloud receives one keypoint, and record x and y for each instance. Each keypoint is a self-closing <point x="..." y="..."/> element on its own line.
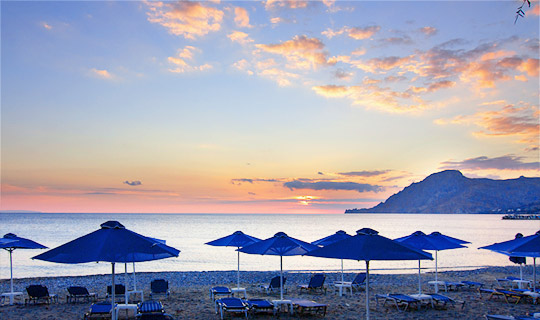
<point x="292" y="4"/>
<point x="535" y="11"/>
<point x="241" y="17"/>
<point x="185" y="18"/>
<point x="180" y="63"/>
<point x="104" y="74"/>
<point x="363" y="33"/>
<point x="509" y="121"/>
<point x="46" y="26"/>
<point x="240" y="37"/>
<point x="530" y="66"/>
<point x="280" y="76"/>
<point x="301" y="52"/>
<point x="428" y="31"/>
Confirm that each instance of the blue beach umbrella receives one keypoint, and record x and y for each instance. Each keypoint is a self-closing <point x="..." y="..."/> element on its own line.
<point x="279" y="245"/>
<point x="434" y="241"/>
<point x="111" y="243"/>
<point x="238" y="239"/>
<point x="338" y="236"/>
<point x="528" y="246"/>
<point x="367" y="245"/>
<point x="10" y="242"/>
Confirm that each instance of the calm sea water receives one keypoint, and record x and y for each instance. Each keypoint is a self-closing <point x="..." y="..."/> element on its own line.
<point x="189" y="232"/>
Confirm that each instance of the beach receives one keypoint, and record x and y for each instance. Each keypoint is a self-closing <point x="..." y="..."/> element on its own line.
<point x="190" y="299"/>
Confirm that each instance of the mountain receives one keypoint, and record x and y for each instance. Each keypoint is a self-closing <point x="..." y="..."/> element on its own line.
<point x="450" y="192"/>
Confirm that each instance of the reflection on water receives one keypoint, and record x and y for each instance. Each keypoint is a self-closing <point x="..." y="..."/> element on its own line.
<point x="189" y="232"/>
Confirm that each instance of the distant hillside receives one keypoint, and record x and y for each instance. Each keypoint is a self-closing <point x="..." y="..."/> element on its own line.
<point x="451" y="192"/>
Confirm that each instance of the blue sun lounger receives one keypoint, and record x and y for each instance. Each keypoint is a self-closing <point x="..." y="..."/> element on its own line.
<point x="316" y="283"/>
<point x="219" y="291"/>
<point x="399" y="300"/>
<point x="233" y="305"/>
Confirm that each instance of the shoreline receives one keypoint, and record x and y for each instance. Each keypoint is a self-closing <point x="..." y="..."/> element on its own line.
<point x="189" y="293"/>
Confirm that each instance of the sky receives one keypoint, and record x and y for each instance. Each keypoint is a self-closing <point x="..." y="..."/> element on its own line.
<point x="260" y="106"/>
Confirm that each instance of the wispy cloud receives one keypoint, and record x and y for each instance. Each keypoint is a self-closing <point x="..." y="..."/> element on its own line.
<point x="429" y="31"/>
<point x="332" y="185"/>
<point x="188" y="19"/>
<point x="101" y="73"/>
<point x="301" y="52"/>
<point x="509" y="121"/>
<point x="364" y="173"/>
<point x="181" y="62"/>
<point x="46" y="25"/>
<point x="239" y="37"/>
<point x="357" y="33"/>
<point x="507" y="162"/>
<point x="248" y="180"/>
<point x="133" y="183"/>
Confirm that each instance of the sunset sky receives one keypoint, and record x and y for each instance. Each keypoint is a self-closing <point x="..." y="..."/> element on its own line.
<point x="260" y="106"/>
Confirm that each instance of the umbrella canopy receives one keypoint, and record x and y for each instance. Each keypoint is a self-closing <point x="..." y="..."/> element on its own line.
<point x="367" y="245"/>
<point x="434" y="241"/>
<point x="279" y="245"/>
<point x="238" y="239"/>
<point x="111" y="243"/>
<point x="11" y="242"/>
<point x="528" y="246"/>
<point x="338" y="236"/>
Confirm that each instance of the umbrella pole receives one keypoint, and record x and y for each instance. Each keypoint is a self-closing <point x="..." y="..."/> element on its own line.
<point x="238" y="272"/>
<point x="436" y="273"/>
<point x="113" y="310"/>
<point x="419" y="282"/>
<point x="521" y="271"/>
<point x="281" y="275"/>
<point x="11" y="268"/>
<point x="125" y="283"/>
<point x="341" y="271"/>
<point x="534" y="274"/>
<point x="367" y="289"/>
<point x="134" y="279"/>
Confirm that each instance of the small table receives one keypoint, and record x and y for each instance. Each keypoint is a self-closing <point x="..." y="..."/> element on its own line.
<point x="11" y="296"/>
<point x="343" y="284"/>
<point x="436" y="284"/>
<point x="520" y="283"/>
<point x="240" y="290"/>
<point x="423" y="297"/>
<point x="128" y="293"/>
<point x="125" y="307"/>
<point x="278" y="303"/>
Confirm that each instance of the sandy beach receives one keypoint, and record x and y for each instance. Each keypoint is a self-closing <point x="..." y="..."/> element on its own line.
<point x="189" y="297"/>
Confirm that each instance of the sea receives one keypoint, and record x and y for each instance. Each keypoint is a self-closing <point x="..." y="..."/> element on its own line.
<point x="190" y="232"/>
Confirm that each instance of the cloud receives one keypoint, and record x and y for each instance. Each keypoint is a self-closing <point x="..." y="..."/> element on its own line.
<point x="101" y="73"/>
<point x="180" y="63"/>
<point x="240" y="37"/>
<point x="46" y="26"/>
<point x="247" y="180"/>
<point x="291" y="4"/>
<point x="364" y="173"/>
<point x="507" y="162"/>
<point x="133" y="183"/>
<point x="243" y="65"/>
<point x="363" y="33"/>
<point x="301" y="52"/>
<point x="428" y="31"/>
<point x="185" y="18"/>
<point x="241" y="17"/>
<point x="509" y="121"/>
<point x="357" y="33"/>
<point x="332" y="185"/>
<point x="342" y="74"/>
<point x="282" y="77"/>
<point x="403" y="40"/>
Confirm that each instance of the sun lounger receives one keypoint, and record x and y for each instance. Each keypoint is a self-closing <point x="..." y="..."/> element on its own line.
<point x="472" y="284"/>
<point x="503" y="317"/>
<point x="233" y="305"/>
<point x="38" y="294"/>
<point x="447" y="285"/>
<point x="159" y="287"/>
<point x="99" y="310"/>
<point x="316" y="284"/>
<point x="219" y="291"/>
<point x="151" y="310"/>
<point x="119" y="290"/>
<point x="399" y="300"/>
<point x="442" y="301"/>
<point x="257" y="305"/>
<point x="80" y="293"/>
<point x="506" y="294"/>
<point x="359" y="282"/>
<point x="303" y="307"/>
<point x="274" y="285"/>
<point x="154" y="316"/>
